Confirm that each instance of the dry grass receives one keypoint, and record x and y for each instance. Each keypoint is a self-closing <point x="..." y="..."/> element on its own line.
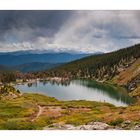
<point x="123" y="77"/>
<point x="17" y="113"/>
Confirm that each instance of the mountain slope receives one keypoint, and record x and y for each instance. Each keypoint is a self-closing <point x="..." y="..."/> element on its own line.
<point x="34" y="67"/>
<point x="5" y="69"/>
<point x="129" y="73"/>
<point x="101" y="67"/>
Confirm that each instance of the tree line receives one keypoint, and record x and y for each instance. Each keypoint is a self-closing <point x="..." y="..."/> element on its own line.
<point x="102" y="66"/>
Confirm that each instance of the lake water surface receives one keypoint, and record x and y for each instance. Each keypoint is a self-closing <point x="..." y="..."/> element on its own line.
<point x="79" y="90"/>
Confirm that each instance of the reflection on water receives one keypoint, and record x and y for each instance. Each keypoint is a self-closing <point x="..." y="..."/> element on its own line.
<point x="62" y="83"/>
<point x="79" y="90"/>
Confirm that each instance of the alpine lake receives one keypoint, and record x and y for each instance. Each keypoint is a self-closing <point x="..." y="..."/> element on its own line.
<point x="79" y="90"/>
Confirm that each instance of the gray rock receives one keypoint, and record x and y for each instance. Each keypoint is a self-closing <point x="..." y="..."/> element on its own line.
<point x="68" y="127"/>
<point x="118" y="128"/>
<point x="137" y="127"/>
<point x="85" y="127"/>
<point x="89" y="126"/>
<point x="126" y="124"/>
<point x="100" y="126"/>
<point x="95" y="126"/>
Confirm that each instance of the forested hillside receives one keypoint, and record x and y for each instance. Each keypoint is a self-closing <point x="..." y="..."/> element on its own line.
<point x="101" y="67"/>
<point x="7" y="74"/>
<point x="34" y="67"/>
<point x="6" y="77"/>
<point x="4" y="68"/>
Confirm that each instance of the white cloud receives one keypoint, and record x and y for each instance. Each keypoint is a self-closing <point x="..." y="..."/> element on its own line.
<point x="10" y="47"/>
<point x="105" y="31"/>
<point x="84" y="31"/>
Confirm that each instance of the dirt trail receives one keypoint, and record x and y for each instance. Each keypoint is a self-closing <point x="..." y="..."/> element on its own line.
<point x="54" y="111"/>
<point x="40" y="110"/>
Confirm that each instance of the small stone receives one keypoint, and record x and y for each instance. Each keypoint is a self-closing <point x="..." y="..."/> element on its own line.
<point x="127" y="122"/>
<point x="68" y="127"/>
<point x="137" y="127"/>
<point x="118" y="128"/>
<point x="86" y="127"/>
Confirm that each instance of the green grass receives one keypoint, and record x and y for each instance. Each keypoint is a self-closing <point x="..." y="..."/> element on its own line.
<point x="83" y="103"/>
<point x="15" y="114"/>
<point x="78" y="118"/>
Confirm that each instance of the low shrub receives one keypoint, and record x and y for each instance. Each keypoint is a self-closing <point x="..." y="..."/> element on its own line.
<point x="116" y="122"/>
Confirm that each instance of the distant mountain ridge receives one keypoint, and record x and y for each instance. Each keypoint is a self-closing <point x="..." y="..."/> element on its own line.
<point x="18" y="58"/>
<point x="32" y="61"/>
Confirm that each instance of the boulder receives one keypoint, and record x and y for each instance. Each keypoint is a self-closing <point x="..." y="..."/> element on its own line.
<point x="137" y="127"/>
<point x="95" y="126"/>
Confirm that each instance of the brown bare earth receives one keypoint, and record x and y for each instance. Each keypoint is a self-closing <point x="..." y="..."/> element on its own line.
<point x="37" y="114"/>
<point x="55" y="111"/>
<point x="123" y="77"/>
<point x="106" y="114"/>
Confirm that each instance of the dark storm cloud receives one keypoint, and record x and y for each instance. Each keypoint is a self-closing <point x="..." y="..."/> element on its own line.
<point x="46" y="22"/>
<point x="84" y="31"/>
<point x="42" y="19"/>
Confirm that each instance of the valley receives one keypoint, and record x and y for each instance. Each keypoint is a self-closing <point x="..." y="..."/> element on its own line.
<point x="34" y="111"/>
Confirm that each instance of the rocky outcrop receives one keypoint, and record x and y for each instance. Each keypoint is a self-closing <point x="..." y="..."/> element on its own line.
<point x="133" y="84"/>
<point x="126" y="125"/>
<point x="95" y="126"/>
<point x="135" y="93"/>
<point x="8" y="92"/>
<point x="89" y="126"/>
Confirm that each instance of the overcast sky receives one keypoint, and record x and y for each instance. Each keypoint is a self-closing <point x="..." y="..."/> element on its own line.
<point x="68" y="31"/>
